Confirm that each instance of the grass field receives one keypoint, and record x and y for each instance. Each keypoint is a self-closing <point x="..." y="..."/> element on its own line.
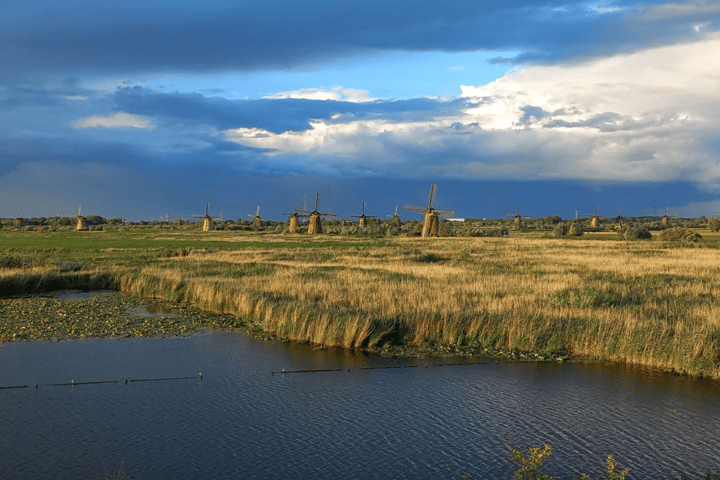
<point x="646" y="302"/>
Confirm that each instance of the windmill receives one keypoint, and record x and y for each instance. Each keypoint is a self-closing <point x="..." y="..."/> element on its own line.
<point x="395" y="218"/>
<point x="295" y="216"/>
<point x="362" y="219"/>
<point x="179" y="221"/>
<point x="19" y="222"/>
<point x="315" y="224"/>
<point x="207" y="219"/>
<point x="257" y="219"/>
<point x="619" y="220"/>
<point x="518" y="219"/>
<point x="595" y="219"/>
<point x="665" y="220"/>
<point x="80" y="223"/>
<point x="431" y="214"/>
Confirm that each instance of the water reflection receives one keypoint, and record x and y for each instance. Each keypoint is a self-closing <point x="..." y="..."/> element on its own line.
<point x="72" y="295"/>
<point x="239" y="421"/>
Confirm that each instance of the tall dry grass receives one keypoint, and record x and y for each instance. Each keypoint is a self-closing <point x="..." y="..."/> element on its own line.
<point x="640" y="302"/>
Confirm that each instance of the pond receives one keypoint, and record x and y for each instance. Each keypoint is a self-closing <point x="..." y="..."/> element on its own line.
<point x="155" y="416"/>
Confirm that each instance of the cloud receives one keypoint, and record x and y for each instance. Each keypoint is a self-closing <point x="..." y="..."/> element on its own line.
<point x="90" y="38"/>
<point x="117" y="120"/>
<point x="649" y="116"/>
<point x="336" y="93"/>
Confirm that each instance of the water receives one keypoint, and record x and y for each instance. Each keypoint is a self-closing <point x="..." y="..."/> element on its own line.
<point x="240" y="421"/>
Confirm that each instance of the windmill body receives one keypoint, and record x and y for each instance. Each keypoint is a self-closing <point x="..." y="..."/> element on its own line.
<point x="619" y="220"/>
<point x="397" y="221"/>
<point x="295" y="218"/>
<point x="316" y="216"/>
<point x="257" y="219"/>
<point x="518" y="219"/>
<point x="207" y="219"/>
<point x="19" y="222"/>
<point x="431" y="223"/>
<point x="595" y="219"/>
<point x="362" y="219"/>
<point x="80" y="223"/>
<point x="665" y="220"/>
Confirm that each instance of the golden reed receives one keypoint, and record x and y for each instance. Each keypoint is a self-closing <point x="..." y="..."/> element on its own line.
<point x="643" y="302"/>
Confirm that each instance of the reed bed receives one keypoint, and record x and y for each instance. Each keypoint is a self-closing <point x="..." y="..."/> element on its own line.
<point x="646" y="302"/>
<point x="641" y="302"/>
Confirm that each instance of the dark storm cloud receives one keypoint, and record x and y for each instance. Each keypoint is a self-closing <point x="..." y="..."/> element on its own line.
<point x="274" y="115"/>
<point x="41" y="37"/>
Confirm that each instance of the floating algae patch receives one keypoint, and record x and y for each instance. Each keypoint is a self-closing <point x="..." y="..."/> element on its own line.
<point x="110" y="315"/>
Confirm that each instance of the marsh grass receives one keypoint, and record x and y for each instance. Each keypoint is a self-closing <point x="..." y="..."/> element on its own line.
<point x="651" y="302"/>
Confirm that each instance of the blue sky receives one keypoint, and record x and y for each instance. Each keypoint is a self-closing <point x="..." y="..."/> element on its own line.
<point x="140" y="109"/>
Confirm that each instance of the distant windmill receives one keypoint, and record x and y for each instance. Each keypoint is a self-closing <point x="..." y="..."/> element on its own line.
<point x="207" y="219"/>
<point x="257" y="219"/>
<point x="595" y="219"/>
<point x="296" y="216"/>
<point x="179" y="221"/>
<point x="362" y="219"/>
<point x="665" y="220"/>
<point x="619" y="220"/>
<point x="80" y="224"/>
<point x="431" y="226"/>
<point x="19" y="222"/>
<point x="395" y="217"/>
<point x="518" y="219"/>
<point x="315" y="224"/>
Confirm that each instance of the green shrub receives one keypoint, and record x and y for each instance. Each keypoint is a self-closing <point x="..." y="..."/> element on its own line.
<point x="680" y="234"/>
<point x="714" y="224"/>
<point x="560" y="230"/>
<point x="575" y="229"/>
<point x="634" y="231"/>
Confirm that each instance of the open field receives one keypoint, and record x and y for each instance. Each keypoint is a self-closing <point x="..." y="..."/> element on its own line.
<point x="647" y="302"/>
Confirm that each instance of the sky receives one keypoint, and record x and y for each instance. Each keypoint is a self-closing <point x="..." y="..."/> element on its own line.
<point x="143" y="110"/>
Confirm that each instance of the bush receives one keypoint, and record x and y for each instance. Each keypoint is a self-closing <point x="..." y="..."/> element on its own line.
<point x="575" y="229"/>
<point x="568" y="228"/>
<point x="560" y="230"/>
<point x="634" y="231"/>
<point x="680" y="234"/>
<point x="714" y="224"/>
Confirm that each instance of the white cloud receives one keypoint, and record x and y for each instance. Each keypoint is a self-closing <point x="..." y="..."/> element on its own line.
<point x="335" y="93"/>
<point x="607" y="9"/>
<point x="673" y="10"/>
<point x="648" y="116"/>
<point x="117" y="120"/>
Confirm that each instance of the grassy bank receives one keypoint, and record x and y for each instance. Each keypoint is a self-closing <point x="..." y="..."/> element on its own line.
<point x="645" y="302"/>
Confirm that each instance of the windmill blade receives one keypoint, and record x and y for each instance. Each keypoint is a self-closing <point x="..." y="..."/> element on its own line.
<point x="257" y="212"/>
<point x="207" y="209"/>
<point x="431" y="197"/>
<point x="79" y="209"/>
<point x="396" y="207"/>
<point x="444" y="213"/>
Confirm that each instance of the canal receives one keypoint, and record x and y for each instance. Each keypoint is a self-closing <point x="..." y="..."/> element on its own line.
<point x="155" y="417"/>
